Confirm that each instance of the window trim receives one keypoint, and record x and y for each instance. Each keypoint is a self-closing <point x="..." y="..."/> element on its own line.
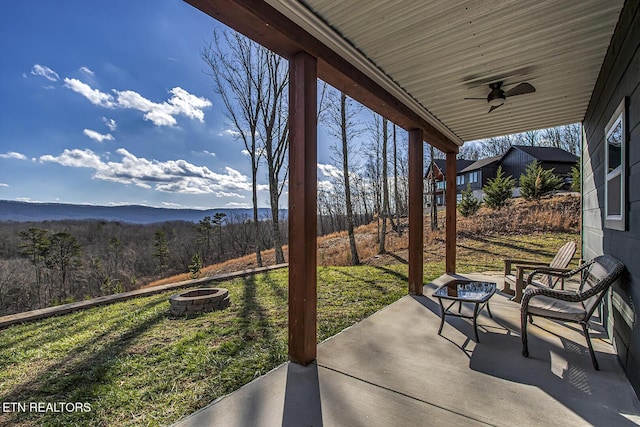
<point x="616" y="222"/>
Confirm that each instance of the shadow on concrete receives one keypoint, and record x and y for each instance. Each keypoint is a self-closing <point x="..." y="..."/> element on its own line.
<point x="302" y="405"/>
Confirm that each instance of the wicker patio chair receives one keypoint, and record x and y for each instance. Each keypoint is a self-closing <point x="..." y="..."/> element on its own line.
<point x="578" y="306"/>
<point x="518" y="277"/>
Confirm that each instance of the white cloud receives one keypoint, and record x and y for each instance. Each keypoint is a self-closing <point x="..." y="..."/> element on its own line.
<point x="13" y="155"/>
<point x="94" y="96"/>
<point x="160" y="114"/>
<point x="2" y="184"/>
<point x="98" y="136"/>
<point x="329" y="170"/>
<point x="172" y="205"/>
<point x="111" y="124"/>
<point x="238" y="205"/>
<point x="87" y="71"/>
<point x="46" y="72"/>
<point x="229" y="132"/>
<point x="172" y="176"/>
<point x="209" y="153"/>
<point x="75" y="158"/>
<point x="326" y="186"/>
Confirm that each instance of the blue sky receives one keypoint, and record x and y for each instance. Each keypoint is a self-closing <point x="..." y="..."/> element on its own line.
<point x="107" y="103"/>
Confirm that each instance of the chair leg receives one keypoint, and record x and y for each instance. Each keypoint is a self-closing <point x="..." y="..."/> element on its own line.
<point x="523" y="324"/>
<point x="585" y="328"/>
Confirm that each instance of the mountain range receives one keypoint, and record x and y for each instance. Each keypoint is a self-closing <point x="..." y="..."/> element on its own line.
<point x="135" y="214"/>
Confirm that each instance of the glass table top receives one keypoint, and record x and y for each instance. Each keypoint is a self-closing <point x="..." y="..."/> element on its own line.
<point x="466" y="290"/>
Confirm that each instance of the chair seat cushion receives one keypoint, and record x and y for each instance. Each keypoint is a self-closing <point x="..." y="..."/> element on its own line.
<point x="541" y="305"/>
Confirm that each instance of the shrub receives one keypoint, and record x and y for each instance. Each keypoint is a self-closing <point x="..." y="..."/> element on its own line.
<point x="498" y="191"/>
<point x="537" y="182"/>
<point x="469" y="204"/>
<point x="195" y="266"/>
<point x="576" y="179"/>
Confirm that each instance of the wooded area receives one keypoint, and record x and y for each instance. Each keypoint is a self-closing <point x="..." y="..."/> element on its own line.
<point x="53" y="262"/>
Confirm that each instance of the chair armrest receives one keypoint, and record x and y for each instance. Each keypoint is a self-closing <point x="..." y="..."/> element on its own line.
<point x="562" y="273"/>
<point x="508" y="263"/>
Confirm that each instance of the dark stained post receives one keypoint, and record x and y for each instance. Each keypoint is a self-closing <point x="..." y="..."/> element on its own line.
<point x="302" y="208"/>
<point x="451" y="206"/>
<point x="415" y="212"/>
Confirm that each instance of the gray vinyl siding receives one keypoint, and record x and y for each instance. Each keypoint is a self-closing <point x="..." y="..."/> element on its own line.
<point x="619" y="77"/>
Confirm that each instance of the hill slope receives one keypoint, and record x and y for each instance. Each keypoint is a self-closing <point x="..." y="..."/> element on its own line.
<point x="559" y="215"/>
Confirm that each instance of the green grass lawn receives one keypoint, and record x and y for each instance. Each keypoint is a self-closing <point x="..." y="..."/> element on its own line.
<point x="135" y="365"/>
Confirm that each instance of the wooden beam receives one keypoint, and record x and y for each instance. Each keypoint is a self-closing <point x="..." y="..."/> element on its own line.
<point x="302" y="208"/>
<point x="450" y="215"/>
<point x="416" y="217"/>
<point x="262" y="23"/>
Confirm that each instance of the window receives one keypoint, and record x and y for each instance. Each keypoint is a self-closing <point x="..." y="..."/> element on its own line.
<point x="440" y="185"/>
<point x="458" y="198"/>
<point x="473" y="177"/>
<point x="615" y="174"/>
<point x="460" y="180"/>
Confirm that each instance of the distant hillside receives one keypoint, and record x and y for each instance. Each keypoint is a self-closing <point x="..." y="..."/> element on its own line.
<point x="135" y="214"/>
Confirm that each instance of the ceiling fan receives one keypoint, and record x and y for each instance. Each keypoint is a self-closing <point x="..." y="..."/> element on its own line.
<point x="497" y="96"/>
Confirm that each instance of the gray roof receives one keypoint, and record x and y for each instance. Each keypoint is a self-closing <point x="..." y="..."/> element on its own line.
<point x="460" y="164"/>
<point x="546" y="154"/>
<point x="479" y="164"/>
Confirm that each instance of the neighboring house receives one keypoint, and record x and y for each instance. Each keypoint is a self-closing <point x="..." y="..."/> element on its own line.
<point x="477" y="174"/>
<point x="440" y="173"/>
<point x="611" y="183"/>
<point x="514" y="162"/>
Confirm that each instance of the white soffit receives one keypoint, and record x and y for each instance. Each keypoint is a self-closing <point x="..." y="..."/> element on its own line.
<point x="433" y="54"/>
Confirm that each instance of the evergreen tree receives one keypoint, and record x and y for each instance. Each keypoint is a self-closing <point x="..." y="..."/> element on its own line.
<point x="161" y="246"/>
<point x="195" y="266"/>
<point x="469" y="204"/>
<point x="499" y="190"/>
<point x="537" y="182"/>
<point x="576" y="178"/>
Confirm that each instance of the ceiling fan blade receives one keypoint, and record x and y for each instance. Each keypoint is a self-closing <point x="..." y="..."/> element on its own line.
<point x="520" y="89"/>
<point x="484" y="99"/>
<point x="493" y="107"/>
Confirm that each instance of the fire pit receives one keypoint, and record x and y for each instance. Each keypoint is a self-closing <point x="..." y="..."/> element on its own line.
<point x="199" y="301"/>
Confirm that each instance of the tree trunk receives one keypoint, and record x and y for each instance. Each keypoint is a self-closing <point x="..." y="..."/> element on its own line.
<point x="256" y="223"/>
<point x="432" y="186"/>
<point x="385" y="190"/>
<point x="355" y="259"/>
<point x="395" y="182"/>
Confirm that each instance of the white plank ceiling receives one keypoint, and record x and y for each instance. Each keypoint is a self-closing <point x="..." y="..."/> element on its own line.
<point x="436" y="53"/>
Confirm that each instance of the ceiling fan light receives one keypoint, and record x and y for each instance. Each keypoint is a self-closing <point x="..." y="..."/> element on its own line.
<point x="496" y="102"/>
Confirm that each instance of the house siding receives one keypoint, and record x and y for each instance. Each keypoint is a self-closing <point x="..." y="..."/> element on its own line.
<point x="619" y="78"/>
<point x="515" y="163"/>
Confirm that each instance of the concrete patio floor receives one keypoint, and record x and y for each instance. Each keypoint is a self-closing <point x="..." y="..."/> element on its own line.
<point x="393" y="369"/>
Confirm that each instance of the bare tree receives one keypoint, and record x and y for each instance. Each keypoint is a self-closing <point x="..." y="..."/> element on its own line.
<point x="385" y="187"/>
<point x="343" y="126"/>
<point x="396" y="198"/>
<point x="274" y="134"/>
<point x="432" y="187"/>
<point x="239" y="71"/>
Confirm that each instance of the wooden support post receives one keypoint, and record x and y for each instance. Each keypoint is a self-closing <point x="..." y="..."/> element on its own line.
<point x="416" y="218"/>
<point x="451" y="202"/>
<point x="302" y="208"/>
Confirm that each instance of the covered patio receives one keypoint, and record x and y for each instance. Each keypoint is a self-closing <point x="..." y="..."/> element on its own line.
<point x="416" y="63"/>
<point x="393" y="369"/>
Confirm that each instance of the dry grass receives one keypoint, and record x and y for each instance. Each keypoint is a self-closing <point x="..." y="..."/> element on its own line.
<point x="559" y="214"/>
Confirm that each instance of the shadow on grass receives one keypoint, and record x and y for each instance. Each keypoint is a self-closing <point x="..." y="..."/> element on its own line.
<point x="372" y="283"/>
<point x="82" y="320"/>
<point x="75" y="377"/>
